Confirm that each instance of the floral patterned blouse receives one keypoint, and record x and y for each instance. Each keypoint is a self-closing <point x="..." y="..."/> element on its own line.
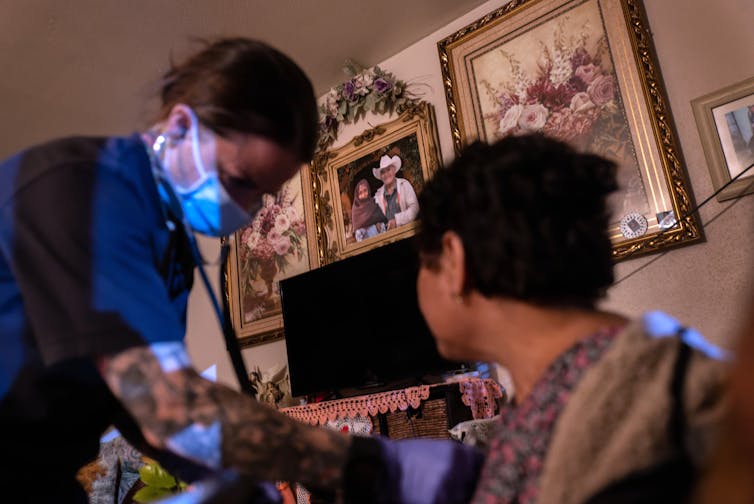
<point x="518" y="448"/>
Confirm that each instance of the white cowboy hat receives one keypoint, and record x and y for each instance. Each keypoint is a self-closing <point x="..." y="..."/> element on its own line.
<point x="386" y="161"/>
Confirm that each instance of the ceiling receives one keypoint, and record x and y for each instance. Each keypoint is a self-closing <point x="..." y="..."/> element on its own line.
<point x="90" y="66"/>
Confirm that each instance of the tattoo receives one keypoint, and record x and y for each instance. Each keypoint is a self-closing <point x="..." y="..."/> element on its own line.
<point x="185" y="413"/>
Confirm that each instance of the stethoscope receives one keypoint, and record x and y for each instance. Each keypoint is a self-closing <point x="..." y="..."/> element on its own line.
<point x="170" y="204"/>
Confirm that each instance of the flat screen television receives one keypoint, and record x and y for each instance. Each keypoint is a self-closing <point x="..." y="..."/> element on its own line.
<point x="354" y="326"/>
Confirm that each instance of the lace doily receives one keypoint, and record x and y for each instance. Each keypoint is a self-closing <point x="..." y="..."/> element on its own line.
<point x="478" y="394"/>
<point x="361" y="406"/>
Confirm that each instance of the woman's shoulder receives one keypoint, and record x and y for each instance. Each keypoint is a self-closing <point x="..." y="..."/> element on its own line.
<point x="616" y="421"/>
<point x="657" y="330"/>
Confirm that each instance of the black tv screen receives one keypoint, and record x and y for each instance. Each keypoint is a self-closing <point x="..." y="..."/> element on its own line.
<point x="355" y="324"/>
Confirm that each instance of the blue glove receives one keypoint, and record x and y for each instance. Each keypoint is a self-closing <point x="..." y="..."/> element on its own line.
<point x="410" y="471"/>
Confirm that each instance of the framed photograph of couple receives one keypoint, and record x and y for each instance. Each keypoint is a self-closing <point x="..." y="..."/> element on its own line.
<point x="277" y="244"/>
<point x="725" y="119"/>
<point x="366" y="191"/>
<point x="583" y="71"/>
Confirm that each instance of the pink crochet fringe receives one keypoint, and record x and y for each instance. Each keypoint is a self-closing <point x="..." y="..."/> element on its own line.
<point x="478" y="394"/>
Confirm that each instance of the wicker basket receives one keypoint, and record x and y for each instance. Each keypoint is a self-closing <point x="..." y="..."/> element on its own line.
<point x="429" y="421"/>
<point x="441" y="411"/>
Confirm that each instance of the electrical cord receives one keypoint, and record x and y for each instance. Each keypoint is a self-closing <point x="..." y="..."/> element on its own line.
<point x="688" y="214"/>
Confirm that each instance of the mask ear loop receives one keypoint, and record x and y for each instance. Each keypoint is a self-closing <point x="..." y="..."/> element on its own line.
<point x="194" y="130"/>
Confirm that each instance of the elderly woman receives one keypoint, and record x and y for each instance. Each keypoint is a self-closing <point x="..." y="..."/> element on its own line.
<point x="367" y="218"/>
<point x="515" y="254"/>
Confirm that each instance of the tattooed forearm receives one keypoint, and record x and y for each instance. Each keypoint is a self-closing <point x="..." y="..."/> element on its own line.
<point x="198" y="419"/>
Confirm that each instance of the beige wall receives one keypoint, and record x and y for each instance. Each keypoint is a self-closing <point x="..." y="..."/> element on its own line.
<point x="700" y="47"/>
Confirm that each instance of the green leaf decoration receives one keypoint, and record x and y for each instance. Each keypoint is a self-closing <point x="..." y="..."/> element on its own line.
<point x="158" y="483"/>
<point x="154" y="475"/>
<point x="370" y="101"/>
<point x="151" y="494"/>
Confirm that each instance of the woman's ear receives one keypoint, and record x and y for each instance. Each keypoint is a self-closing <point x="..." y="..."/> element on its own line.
<point x="453" y="261"/>
<point x="178" y="122"/>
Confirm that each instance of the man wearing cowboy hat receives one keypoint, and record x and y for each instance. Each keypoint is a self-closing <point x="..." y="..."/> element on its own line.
<point x="396" y="197"/>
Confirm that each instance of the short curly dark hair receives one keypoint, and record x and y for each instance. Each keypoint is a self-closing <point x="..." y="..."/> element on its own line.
<point x="532" y="215"/>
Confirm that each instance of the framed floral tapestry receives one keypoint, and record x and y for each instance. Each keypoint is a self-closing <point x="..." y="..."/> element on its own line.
<point x="583" y="71"/>
<point x="365" y="192"/>
<point x="279" y="243"/>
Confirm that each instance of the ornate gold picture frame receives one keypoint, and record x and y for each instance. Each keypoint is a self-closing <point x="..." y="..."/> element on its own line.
<point x="583" y="71"/>
<point x="410" y="144"/>
<point x="280" y="242"/>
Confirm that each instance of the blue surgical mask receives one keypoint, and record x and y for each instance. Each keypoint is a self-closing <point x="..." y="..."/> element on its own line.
<point x="207" y="206"/>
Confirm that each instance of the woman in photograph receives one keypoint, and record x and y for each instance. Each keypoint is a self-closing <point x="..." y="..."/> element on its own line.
<point x="367" y="218"/>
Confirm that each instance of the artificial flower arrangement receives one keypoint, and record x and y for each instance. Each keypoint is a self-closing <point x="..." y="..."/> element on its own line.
<point x="572" y="96"/>
<point x="368" y="90"/>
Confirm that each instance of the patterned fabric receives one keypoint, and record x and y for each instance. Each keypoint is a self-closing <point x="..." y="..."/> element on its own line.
<point x="302" y="496"/>
<point x="356" y="425"/>
<point x="518" y="449"/>
<point x="112" y="454"/>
